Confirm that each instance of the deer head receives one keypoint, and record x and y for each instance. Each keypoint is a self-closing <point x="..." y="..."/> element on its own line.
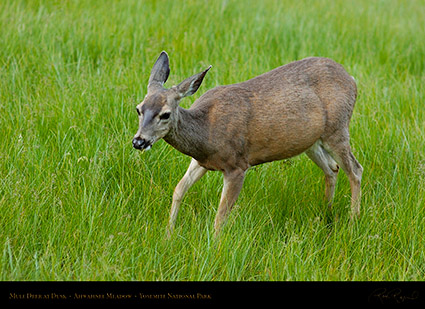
<point x="158" y="111"/>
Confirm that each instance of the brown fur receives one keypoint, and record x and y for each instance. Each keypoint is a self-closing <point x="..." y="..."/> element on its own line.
<point x="304" y="106"/>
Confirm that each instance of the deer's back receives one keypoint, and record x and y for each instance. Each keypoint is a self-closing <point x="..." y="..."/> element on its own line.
<point x="280" y="113"/>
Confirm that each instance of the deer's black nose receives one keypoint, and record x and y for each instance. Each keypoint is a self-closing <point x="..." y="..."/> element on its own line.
<point x="139" y="143"/>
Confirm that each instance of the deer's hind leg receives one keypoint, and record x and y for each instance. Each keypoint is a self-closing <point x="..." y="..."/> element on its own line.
<point x="328" y="165"/>
<point x="338" y="146"/>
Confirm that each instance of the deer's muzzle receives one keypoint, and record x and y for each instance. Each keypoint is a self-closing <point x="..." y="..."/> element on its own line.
<point x="141" y="143"/>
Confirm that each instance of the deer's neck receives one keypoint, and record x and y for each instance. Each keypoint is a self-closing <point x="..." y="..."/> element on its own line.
<point x="189" y="133"/>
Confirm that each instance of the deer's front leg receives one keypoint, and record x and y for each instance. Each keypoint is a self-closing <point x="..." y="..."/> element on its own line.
<point x="233" y="182"/>
<point x="192" y="175"/>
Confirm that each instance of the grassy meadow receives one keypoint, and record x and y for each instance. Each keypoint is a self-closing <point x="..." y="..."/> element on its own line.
<point x="79" y="203"/>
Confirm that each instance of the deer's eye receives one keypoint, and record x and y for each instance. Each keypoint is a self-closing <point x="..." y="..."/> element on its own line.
<point x="138" y="111"/>
<point x="164" y="116"/>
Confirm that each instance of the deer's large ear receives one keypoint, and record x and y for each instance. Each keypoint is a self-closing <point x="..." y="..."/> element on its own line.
<point x="160" y="71"/>
<point x="190" y="85"/>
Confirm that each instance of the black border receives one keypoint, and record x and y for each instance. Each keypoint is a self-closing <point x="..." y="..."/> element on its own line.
<point x="241" y="293"/>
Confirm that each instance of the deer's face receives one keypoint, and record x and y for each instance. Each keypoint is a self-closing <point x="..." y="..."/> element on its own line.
<point x="158" y="111"/>
<point x="156" y="115"/>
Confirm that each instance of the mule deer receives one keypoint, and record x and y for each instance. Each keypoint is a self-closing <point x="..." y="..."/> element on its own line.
<point x="304" y="106"/>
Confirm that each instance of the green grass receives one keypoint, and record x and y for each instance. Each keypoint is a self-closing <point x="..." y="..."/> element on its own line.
<point x="79" y="203"/>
